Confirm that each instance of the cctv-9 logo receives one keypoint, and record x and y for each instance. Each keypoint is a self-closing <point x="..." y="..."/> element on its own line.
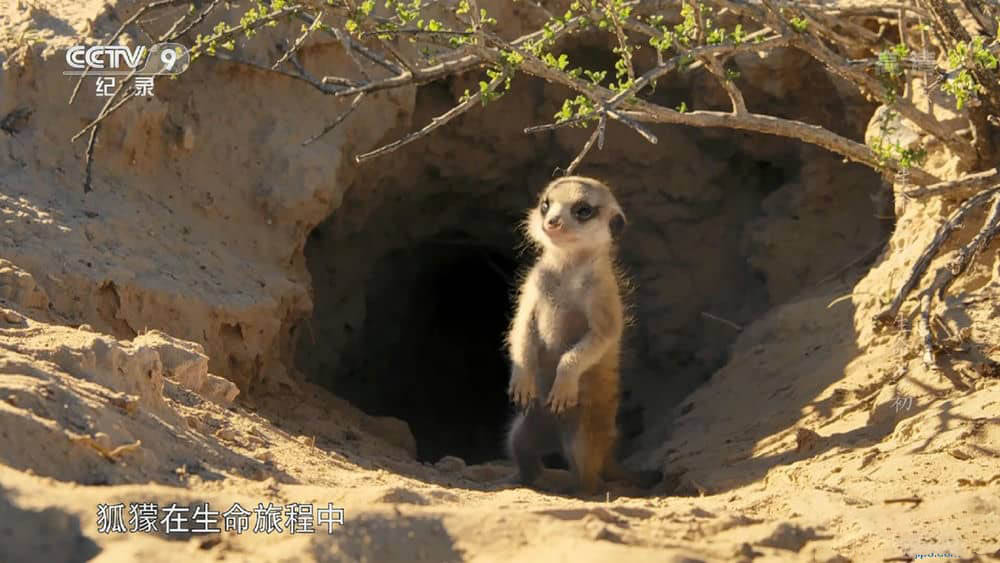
<point x="162" y="58"/>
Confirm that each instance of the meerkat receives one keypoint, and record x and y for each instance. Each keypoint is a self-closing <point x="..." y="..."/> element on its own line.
<point x="564" y="341"/>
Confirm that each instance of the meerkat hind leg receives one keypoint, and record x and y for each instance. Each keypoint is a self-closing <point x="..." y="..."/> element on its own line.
<point x="588" y="448"/>
<point x="533" y="435"/>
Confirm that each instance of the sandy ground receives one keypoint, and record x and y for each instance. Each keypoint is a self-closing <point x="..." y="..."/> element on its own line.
<point x="831" y="468"/>
<point x="821" y="440"/>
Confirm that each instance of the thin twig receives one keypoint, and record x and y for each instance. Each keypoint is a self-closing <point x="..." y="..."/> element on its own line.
<point x="298" y="41"/>
<point x="232" y="32"/>
<point x="559" y="124"/>
<point x="353" y="46"/>
<point x="637" y="127"/>
<point x="885" y="10"/>
<point x="434" y="124"/>
<point x="419" y="76"/>
<point x="459" y="62"/>
<point x="340" y="118"/>
<point x="326" y="89"/>
<point x="728" y="323"/>
<point x="408" y="31"/>
<point x="598" y="132"/>
<point x="735" y="96"/>
<point x="626" y="51"/>
<point x="89" y="164"/>
<point x="396" y="54"/>
<point x="197" y="20"/>
<point x="913" y="500"/>
<point x="107" y="110"/>
<point x="173" y="28"/>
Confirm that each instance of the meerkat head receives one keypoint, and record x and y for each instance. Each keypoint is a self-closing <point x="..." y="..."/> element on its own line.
<point x="576" y="213"/>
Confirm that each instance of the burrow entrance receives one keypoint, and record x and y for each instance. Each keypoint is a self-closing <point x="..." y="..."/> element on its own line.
<point x="431" y="347"/>
<point x="414" y="273"/>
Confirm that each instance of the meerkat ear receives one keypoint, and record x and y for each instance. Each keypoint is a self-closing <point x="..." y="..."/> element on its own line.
<point x="617" y="224"/>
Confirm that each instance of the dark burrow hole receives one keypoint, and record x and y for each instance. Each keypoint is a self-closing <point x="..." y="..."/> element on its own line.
<point x="432" y="345"/>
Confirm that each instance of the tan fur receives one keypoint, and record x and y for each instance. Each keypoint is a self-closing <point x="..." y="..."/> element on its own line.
<point x="565" y="338"/>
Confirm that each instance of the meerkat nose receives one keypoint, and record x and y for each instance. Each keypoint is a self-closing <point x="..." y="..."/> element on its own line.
<point x="553" y="223"/>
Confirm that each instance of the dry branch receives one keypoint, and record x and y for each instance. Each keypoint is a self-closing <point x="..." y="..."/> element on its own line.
<point x="830" y="32"/>
<point x="315" y="83"/>
<point x="558" y="124"/>
<point x="598" y="132"/>
<point x="644" y="111"/>
<point x="299" y="41"/>
<point x="967" y="253"/>
<point x="920" y="266"/>
<point x="869" y="85"/>
<point x="719" y="319"/>
<point x="194" y="23"/>
<point x="417" y="77"/>
<point x="977" y="181"/>
<point x="813" y="134"/>
<point x="435" y="122"/>
<point x="340" y="118"/>
<point x="353" y="46"/>
<point x="107" y="110"/>
<point x="735" y="96"/>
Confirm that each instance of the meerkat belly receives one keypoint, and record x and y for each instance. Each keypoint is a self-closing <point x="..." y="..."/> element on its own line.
<point x="559" y="328"/>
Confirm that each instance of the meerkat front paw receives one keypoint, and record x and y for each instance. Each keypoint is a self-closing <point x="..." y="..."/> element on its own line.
<point x="522" y="389"/>
<point x="564" y="394"/>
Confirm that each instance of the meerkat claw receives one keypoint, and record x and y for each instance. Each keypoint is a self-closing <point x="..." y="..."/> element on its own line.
<point x="520" y="394"/>
<point x="560" y="405"/>
<point x="563" y="395"/>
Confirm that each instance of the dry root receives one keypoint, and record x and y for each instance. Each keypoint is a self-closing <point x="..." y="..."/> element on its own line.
<point x="946" y="275"/>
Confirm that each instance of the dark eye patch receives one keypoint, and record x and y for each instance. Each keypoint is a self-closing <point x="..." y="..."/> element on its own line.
<point x="544" y="207"/>
<point x="583" y="211"/>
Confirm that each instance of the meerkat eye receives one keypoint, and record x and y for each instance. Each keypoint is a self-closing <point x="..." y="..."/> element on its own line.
<point x="544" y="207"/>
<point x="583" y="211"/>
